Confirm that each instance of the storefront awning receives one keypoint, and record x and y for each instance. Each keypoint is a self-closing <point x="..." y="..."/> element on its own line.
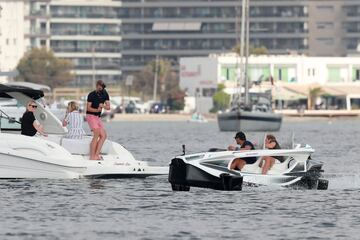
<point x="334" y="90"/>
<point x="283" y="93"/>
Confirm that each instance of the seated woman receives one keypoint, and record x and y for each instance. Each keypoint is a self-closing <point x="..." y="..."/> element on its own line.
<point x="29" y="125"/>
<point x="270" y="143"/>
<point x="74" y="122"/>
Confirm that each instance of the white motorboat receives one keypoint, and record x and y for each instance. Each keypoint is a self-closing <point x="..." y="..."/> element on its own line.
<point x="11" y="108"/>
<point x="58" y="157"/>
<point x="198" y="118"/>
<point x="211" y="170"/>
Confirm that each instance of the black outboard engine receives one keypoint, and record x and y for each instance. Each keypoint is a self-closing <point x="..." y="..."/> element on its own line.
<point x="182" y="176"/>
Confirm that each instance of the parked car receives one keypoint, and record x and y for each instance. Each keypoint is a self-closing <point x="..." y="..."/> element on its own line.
<point x="131" y="107"/>
<point x="158" y="108"/>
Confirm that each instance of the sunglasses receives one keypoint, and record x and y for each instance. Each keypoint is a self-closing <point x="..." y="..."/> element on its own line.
<point x="33" y="106"/>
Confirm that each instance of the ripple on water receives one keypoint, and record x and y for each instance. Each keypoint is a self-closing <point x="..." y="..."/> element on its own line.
<point x="148" y="209"/>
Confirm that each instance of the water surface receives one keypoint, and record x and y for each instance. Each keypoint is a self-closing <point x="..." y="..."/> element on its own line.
<point x="148" y="209"/>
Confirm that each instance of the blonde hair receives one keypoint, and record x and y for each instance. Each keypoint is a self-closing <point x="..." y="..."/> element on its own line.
<point x="72" y="106"/>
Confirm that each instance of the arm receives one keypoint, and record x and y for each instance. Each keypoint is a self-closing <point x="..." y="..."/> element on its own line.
<point x="39" y="128"/>
<point x="65" y="120"/>
<point x="107" y="105"/>
<point x="231" y="148"/>
<point x="247" y="147"/>
<point x="64" y="123"/>
<point x="91" y="109"/>
<point x="107" y="101"/>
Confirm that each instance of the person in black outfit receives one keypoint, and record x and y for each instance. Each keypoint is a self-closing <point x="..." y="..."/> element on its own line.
<point x="270" y="143"/>
<point x="96" y="101"/>
<point x="29" y="125"/>
<point x="239" y="163"/>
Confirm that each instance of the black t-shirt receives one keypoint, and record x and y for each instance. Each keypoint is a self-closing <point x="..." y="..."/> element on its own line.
<point x="249" y="160"/>
<point x="27" y="124"/>
<point x="280" y="158"/>
<point x="96" y="98"/>
<point x="248" y="143"/>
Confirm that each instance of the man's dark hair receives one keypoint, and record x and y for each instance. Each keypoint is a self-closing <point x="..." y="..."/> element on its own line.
<point x="100" y="83"/>
<point x="241" y="136"/>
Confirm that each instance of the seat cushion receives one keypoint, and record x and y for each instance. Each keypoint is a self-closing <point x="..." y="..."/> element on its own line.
<point x="82" y="146"/>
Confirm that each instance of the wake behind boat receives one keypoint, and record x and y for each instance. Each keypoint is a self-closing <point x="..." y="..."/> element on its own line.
<point x="58" y="157"/>
<point x="212" y="170"/>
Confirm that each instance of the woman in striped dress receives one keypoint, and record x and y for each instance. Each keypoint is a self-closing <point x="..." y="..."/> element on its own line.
<point x="74" y="122"/>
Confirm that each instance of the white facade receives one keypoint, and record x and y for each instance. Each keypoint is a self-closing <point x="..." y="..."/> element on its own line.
<point x="339" y="77"/>
<point x="282" y="69"/>
<point x="87" y="32"/>
<point x="12" y="42"/>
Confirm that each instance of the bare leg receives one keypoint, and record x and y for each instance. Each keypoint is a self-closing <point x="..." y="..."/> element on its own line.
<point x="269" y="162"/>
<point x="93" y="144"/>
<point x="100" y="143"/>
<point x="237" y="164"/>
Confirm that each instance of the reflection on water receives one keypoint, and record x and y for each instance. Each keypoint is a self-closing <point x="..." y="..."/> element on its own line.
<point x="148" y="209"/>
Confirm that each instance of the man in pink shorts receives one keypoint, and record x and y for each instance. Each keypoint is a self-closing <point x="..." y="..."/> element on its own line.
<point x="96" y="101"/>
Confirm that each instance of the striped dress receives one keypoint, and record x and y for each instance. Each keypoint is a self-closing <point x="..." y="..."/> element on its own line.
<point x="74" y="125"/>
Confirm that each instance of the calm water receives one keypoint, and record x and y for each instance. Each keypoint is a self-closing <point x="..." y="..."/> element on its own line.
<point x="148" y="209"/>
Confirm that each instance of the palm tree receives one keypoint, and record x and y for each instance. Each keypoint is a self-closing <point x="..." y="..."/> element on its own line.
<point x="314" y="93"/>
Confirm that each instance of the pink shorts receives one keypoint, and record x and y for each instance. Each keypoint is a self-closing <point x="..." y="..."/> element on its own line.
<point x="94" y="122"/>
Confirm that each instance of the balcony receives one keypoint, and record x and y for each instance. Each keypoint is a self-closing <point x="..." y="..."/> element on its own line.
<point x="83" y="15"/>
<point x="72" y="32"/>
<point x="97" y="66"/>
<point x="37" y="14"/>
<point x="85" y="49"/>
<point x="37" y="32"/>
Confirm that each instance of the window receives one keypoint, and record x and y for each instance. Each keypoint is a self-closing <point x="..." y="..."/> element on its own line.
<point x="280" y="74"/>
<point x="208" y="92"/>
<point x="334" y="74"/>
<point x="311" y="72"/>
<point x="228" y="73"/>
<point x="42" y="42"/>
<point x="356" y="74"/>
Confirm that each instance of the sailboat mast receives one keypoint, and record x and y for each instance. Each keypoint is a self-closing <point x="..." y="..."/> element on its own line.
<point x="246" y="71"/>
<point x="242" y="43"/>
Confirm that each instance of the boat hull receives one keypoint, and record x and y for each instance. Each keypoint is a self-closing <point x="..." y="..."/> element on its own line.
<point x="14" y="167"/>
<point x="182" y="176"/>
<point x="249" y="121"/>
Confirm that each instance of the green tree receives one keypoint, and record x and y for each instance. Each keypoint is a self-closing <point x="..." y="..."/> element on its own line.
<point x="168" y="83"/>
<point x="221" y="100"/>
<point x="314" y="93"/>
<point x="40" y="65"/>
<point x="262" y="50"/>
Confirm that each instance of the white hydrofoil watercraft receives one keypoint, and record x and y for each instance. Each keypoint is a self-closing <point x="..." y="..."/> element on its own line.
<point x="58" y="157"/>
<point x="211" y="170"/>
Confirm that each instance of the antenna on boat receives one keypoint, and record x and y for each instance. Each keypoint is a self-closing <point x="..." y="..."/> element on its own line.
<point x="183" y="149"/>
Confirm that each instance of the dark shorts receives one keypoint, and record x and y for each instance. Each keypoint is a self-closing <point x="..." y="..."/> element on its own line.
<point x="250" y="160"/>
